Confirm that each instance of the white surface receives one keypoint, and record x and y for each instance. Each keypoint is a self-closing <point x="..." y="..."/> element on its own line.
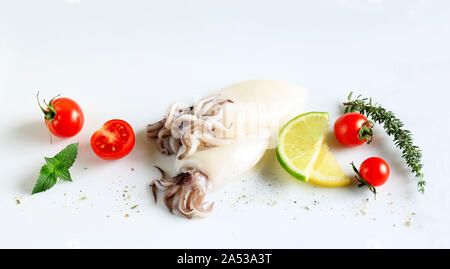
<point x="131" y="59"/>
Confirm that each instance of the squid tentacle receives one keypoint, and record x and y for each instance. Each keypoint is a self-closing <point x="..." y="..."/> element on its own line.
<point x="162" y="140"/>
<point x="175" y="144"/>
<point x="154" y="128"/>
<point x="184" y="129"/>
<point x="184" y="193"/>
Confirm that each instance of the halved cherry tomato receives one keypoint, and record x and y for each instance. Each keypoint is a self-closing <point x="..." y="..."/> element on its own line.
<point x="63" y="117"/>
<point x="374" y="171"/>
<point x="349" y="129"/>
<point x="114" y="140"/>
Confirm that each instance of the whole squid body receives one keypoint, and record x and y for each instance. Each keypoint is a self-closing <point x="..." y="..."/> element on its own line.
<point x="220" y="137"/>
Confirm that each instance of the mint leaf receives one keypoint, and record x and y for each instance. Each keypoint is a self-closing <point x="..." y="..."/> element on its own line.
<point x="68" y="155"/>
<point x="53" y="163"/>
<point x="46" y="180"/>
<point x="63" y="174"/>
<point x="56" y="167"/>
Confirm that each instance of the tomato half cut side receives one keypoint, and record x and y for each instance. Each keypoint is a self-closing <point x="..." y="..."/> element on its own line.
<point x="114" y="140"/>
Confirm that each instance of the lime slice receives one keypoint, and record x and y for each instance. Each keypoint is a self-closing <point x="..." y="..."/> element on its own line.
<point x="326" y="171"/>
<point x="300" y="141"/>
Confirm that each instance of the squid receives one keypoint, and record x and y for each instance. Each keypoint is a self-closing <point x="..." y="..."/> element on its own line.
<point x="220" y="137"/>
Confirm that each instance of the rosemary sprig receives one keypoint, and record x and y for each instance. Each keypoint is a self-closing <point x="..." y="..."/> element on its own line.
<point x="394" y="127"/>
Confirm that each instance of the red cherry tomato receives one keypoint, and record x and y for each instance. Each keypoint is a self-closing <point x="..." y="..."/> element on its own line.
<point x="347" y="127"/>
<point x="114" y="140"/>
<point x="375" y="171"/>
<point x="63" y="117"/>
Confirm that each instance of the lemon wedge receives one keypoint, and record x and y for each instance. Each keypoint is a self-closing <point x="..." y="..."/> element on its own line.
<point x="302" y="152"/>
<point x="326" y="171"/>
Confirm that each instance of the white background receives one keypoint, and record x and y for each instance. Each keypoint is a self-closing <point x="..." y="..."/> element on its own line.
<point x="131" y="59"/>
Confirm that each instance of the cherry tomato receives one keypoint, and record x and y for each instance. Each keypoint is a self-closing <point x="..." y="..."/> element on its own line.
<point x="63" y="117"/>
<point x="375" y="171"/>
<point x="114" y="140"/>
<point x="347" y="129"/>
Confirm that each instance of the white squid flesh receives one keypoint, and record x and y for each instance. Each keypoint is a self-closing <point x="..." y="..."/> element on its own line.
<point x="220" y="137"/>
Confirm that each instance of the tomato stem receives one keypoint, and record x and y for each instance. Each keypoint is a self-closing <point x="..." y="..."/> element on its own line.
<point x="49" y="115"/>
<point x="363" y="182"/>
<point x="366" y="132"/>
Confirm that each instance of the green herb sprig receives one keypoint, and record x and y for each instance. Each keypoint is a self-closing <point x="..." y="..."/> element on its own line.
<point x="393" y="127"/>
<point x="56" y="167"/>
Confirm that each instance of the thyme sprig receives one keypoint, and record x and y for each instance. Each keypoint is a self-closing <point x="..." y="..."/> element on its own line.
<point x="393" y="127"/>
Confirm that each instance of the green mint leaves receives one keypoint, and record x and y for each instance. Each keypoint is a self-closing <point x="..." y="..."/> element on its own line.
<point x="56" y="167"/>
